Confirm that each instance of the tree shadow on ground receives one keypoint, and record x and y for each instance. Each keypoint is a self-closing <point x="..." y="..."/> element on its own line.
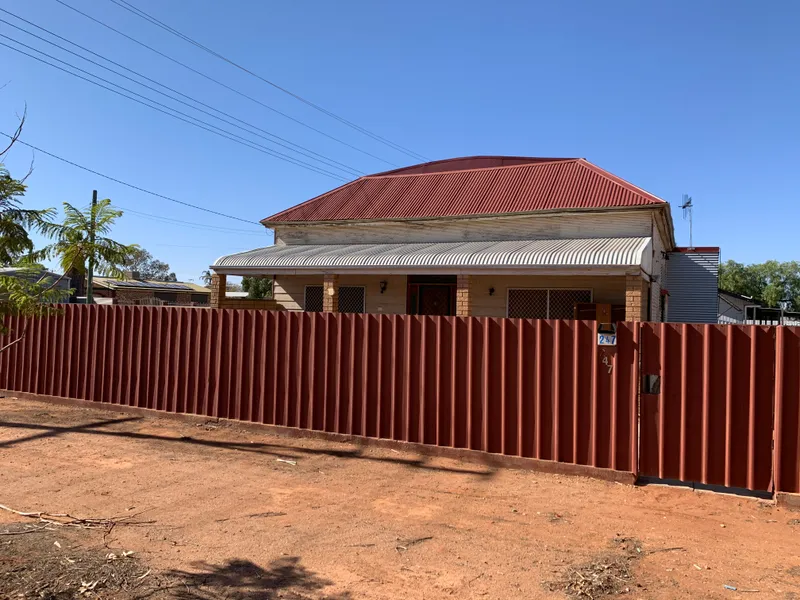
<point x="240" y="579"/>
<point x="278" y="450"/>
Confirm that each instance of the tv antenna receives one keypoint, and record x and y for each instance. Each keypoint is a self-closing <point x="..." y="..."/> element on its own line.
<point x="687" y="207"/>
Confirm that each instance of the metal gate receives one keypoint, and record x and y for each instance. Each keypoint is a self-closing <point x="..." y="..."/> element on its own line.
<point x="706" y="408"/>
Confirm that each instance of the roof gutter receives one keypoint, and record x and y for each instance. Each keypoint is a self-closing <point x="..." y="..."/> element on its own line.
<point x="272" y="224"/>
<point x="490" y="270"/>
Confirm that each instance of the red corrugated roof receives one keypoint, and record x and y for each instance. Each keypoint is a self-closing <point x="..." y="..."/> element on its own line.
<point x="483" y="185"/>
<point x="467" y="162"/>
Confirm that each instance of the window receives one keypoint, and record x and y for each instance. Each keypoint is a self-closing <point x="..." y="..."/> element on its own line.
<point x="313" y="299"/>
<point x="545" y="304"/>
<point x="351" y="299"/>
<point x="527" y="304"/>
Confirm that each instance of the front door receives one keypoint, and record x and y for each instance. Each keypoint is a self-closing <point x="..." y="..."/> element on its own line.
<point x="435" y="300"/>
<point x="431" y="295"/>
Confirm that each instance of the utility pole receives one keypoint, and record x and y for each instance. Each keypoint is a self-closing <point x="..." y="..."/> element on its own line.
<point x="90" y="270"/>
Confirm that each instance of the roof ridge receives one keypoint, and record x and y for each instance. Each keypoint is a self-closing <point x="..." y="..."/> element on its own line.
<point x="389" y="174"/>
<point x="444" y="161"/>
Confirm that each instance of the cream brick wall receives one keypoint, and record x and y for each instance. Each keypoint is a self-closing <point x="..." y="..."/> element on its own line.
<point x="330" y="293"/>
<point x="289" y="291"/>
<point x="635" y="298"/>
<point x="607" y="290"/>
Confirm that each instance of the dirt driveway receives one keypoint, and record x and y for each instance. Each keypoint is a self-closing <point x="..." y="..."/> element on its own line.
<point x="236" y="522"/>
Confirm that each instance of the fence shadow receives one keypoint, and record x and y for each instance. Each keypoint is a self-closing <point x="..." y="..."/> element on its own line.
<point x="245" y="580"/>
<point x="260" y="448"/>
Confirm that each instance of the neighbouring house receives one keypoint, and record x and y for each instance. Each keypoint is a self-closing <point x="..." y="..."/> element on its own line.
<point x="735" y="308"/>
<point x="691" y="285"/>
<point x="132" y="290"/>
<point x="45" y="278"/>
<point x="482" y="236"/>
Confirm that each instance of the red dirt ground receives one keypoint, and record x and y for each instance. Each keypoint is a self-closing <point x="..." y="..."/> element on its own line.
<point x="346" y="522"/>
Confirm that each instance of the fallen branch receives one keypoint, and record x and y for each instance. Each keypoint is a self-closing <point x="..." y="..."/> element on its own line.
<point x="675" y="549"/>
<point x="24" y="531"/>
<point x="67" y="520"/>
<point x="406" y="545"/>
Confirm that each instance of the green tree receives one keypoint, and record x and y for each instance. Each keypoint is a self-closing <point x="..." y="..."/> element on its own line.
<point x="149" y="267"/>
<point x="15" y="221"/>
<point x="771" y="282"/>
<point x="257" y="288"/>
<point x="30" y="291"/>
<point x="740" y="279"/>
<point x="82" y="242"/>
<point x="205" y="276"/>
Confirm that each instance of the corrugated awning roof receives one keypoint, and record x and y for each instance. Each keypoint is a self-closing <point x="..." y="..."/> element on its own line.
<point x="471" y="187"/>
<point x="569" y="253"/>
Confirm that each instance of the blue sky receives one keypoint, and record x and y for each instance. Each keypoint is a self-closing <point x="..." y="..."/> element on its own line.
<point x="676" y="97"/>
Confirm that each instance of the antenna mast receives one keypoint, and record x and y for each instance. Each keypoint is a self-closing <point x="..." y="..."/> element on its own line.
<point x="687" y="215"/>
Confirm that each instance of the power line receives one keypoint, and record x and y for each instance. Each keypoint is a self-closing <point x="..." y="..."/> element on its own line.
<point x="308" y="153"/>
<point x="194" y="120"/>
<point x="234" y="90"/>
<point x="189" y="224"/>
<point x="126" y="184"/>
<point x="143" y="15"/>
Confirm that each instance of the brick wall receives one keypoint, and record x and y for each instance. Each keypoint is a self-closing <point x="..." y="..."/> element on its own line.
<point x="330" y="301"/>
<point x="463" y="296"/>
<point x="635" y="298"/>
<point x="218" y="283"/>
<point x="183" y="298"/>
<point x="128" y="297"/>
<point x="250" y="304"/>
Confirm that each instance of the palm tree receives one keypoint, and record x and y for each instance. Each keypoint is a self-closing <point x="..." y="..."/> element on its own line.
<point x="206" y="277"/>
<point x="82" y="243"/>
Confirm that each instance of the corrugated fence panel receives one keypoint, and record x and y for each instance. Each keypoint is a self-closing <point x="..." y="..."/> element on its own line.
<point x="711" y="420"/>
<point x="787" y="410"/>
<point x="538" y="389"/>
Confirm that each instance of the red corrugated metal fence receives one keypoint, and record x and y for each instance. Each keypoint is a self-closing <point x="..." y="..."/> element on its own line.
<point x="540" y="389"/>
<point x="711" y="421"/>
<point x="787" y="410"/>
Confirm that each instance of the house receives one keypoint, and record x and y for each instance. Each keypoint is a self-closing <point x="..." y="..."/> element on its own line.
<point x="691" y="285"/>
<point x="484" y="236"/>
<point x="735" y="308"/>
<point x="732" y="308"/>
<point x="46" y="279"/>
<point x="133" y="290"/>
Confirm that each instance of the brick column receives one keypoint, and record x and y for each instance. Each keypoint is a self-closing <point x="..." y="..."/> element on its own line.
<point x="635" y="298"/>
<point x="330" y="293"/>
<point x="218" y="284"/>
<point x="183" y="298"/>
<point x="463" y="299"/>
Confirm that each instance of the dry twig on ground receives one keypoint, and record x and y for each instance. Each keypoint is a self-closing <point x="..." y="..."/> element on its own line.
<point x="65" y="519"/>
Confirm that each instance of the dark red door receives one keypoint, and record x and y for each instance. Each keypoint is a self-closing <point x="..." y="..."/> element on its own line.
<point x="435" y="300"/>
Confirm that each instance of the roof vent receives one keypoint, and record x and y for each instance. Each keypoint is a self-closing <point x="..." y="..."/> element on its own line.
<point x="132" y="275"/>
